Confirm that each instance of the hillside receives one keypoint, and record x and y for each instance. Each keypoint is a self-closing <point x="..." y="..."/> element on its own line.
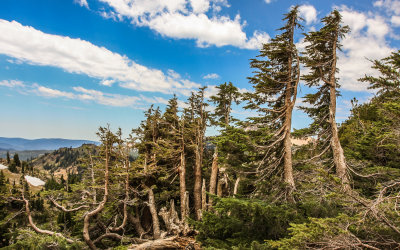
<point x="62" y="160"/>
<point x="25" y="154"/>
<point x="21" y="144"/>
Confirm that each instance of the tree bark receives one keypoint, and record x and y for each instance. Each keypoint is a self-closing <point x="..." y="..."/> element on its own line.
<point x="135" y="220"/>
<point x="289" y="103"/>
<point x="168" y="243"/>
<point x="337" y="150"/>
<point x="153" y="211"/>
<point x="235" y="189"/>
<point x="203" y="196"/>
<point x="214" y="172"/>
<point x="182" y="178"/>
<point x="197" y="183"/>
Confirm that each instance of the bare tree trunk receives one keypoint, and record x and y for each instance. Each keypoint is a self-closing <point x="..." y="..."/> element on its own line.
<point x="153" y="211"/>
<point x="197" y="183"/>
<point x="235" y="189"/>
<point x="337" y="150"/>
<point x="214" y="173"/>
<point x="287" y="159"/>
<point x="203" y="196"/>
<point x="93" y="180"/>
<point x="135" y="220"/>
<point x="100" y="207"/>
<point x="182" y="179"/>
<point x="168" y="243"/>
<point x="289" y="103"/>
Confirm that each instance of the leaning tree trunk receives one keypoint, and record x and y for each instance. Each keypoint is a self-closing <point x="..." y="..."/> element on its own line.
<point x="337" y="150"/>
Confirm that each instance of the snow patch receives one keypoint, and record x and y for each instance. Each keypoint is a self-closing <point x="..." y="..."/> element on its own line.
<point x="34" y="181"/>
<point x="3" y="167"/>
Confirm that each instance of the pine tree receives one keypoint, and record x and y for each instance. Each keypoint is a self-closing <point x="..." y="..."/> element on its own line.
<point x="198" y="117"/>
<point x="275" y="85"/>
<point x="389" y="79"/>
<point x="16" y="160"/>
<point x="226" y="96"/>
<point x="8" y="158"/>
<point x="321" y="58"/>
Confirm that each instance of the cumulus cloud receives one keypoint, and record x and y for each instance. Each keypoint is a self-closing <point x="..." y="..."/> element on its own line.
<point x="390" y="6"/>
<point x="211" y="76"/>
<point x="309" y="13"/>
<point x="395" y="20"/>
<point x="83" y="57"/>
<point x="189" y="19"/>
<point x="367" y="40"/>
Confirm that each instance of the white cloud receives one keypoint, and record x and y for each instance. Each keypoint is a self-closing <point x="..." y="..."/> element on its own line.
<point x="267" y="1"/>
<point x="309" y="13"/>
<point x="188" y="19"/>
<point x="83" y="57"/>
<point x="390" y="6"/>
<point x="53" y="93"/>
<point x="104" y="98"/>
<point x="395" y="20"/>
<point x="211" y="76"/>
<point x="82" y="3"/>
<point x="107" y="82"/>
<point x="367" y="40"/>
<point x="11" y="83"/>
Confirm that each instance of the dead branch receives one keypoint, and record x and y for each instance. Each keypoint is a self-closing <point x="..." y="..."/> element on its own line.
<point x="65" y="209"/>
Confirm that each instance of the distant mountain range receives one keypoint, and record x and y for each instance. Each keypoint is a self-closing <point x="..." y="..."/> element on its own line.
<point x="20" y="144"/>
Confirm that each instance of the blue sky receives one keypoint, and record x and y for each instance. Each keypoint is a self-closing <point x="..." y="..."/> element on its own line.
<point x="70" y="66"/>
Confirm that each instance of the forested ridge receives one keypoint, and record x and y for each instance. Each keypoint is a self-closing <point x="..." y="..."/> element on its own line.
<point x="168" y="185"/>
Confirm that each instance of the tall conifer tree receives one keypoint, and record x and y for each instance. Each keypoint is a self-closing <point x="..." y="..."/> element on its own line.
<point x="275" y="89"/>
<point x="321" y="58"/>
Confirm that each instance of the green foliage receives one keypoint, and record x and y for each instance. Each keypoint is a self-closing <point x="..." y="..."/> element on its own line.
<point x="242" y="221"/>
<point x="313" y="233"/>
<point x="30" y="240"/>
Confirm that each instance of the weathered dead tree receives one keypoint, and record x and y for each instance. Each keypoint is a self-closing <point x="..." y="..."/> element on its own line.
<point x="168" y="243"/>
<point x="182" y="173"/>
<point x="214" y="175"/>
<point x="153" y="211"/>
<point x="235" y="188"/>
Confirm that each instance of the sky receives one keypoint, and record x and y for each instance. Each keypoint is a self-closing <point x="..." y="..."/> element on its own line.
<point x="70" y="66"/>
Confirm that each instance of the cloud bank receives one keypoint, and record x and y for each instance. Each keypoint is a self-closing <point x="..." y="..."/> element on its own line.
<point x="187" y="19"/>
<point x="82" y="57"/>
